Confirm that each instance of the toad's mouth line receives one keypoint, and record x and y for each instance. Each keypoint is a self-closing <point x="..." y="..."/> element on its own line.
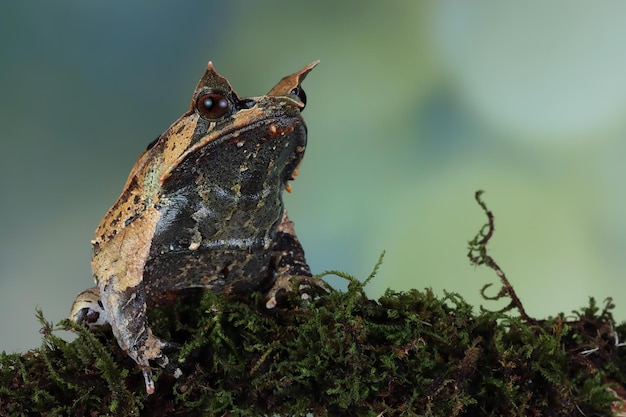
<point x="275" y="126"/>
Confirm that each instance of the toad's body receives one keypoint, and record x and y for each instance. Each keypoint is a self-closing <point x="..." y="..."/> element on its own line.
<point x="202" y="207"/>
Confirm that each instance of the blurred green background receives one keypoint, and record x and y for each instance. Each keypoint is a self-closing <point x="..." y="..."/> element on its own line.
<point x="414" y="106"/>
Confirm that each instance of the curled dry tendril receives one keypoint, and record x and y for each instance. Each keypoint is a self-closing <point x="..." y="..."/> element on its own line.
<point x="478" y="255"/>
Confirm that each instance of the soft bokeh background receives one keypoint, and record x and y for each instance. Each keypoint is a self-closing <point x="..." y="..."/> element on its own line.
<point x="414" y="107"/>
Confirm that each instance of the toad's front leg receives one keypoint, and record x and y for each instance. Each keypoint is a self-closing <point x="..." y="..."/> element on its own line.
<point x="129" y="327"/>
<point x="291" y="267"/>
<point x="118" y="267"/>
<point x="126" y="313"/>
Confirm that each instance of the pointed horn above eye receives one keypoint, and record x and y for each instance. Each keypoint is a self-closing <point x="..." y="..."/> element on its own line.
<point x="212" y="80"/>
<point x="292" y="81"/>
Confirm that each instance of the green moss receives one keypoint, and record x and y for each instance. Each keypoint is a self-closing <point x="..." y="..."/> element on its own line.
<point x="408" y="353"/>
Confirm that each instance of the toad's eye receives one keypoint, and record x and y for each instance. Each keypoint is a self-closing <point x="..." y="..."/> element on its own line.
<point x="298" y="91"/>
<point x="213" y="106"/>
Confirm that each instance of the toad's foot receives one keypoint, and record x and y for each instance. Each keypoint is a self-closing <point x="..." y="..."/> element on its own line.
<point x="89" y="311"/>
<point x="150" y="349"/>
<point x="306" y="286"/>
<point x="144" y="347"/>
<point x="163" y="361"/>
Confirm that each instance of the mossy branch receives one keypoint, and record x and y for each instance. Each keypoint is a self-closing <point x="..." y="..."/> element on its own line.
<point x="408" y="353"/>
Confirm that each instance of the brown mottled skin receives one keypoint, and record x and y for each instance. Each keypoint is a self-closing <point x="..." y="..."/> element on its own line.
<point x="202" y="207"/>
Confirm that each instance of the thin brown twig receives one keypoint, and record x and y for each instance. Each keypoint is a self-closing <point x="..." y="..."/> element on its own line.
<point x="478" y="256"/>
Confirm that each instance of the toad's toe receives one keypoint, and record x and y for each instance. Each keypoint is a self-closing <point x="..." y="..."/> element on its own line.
<point x="307" y="286"/>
